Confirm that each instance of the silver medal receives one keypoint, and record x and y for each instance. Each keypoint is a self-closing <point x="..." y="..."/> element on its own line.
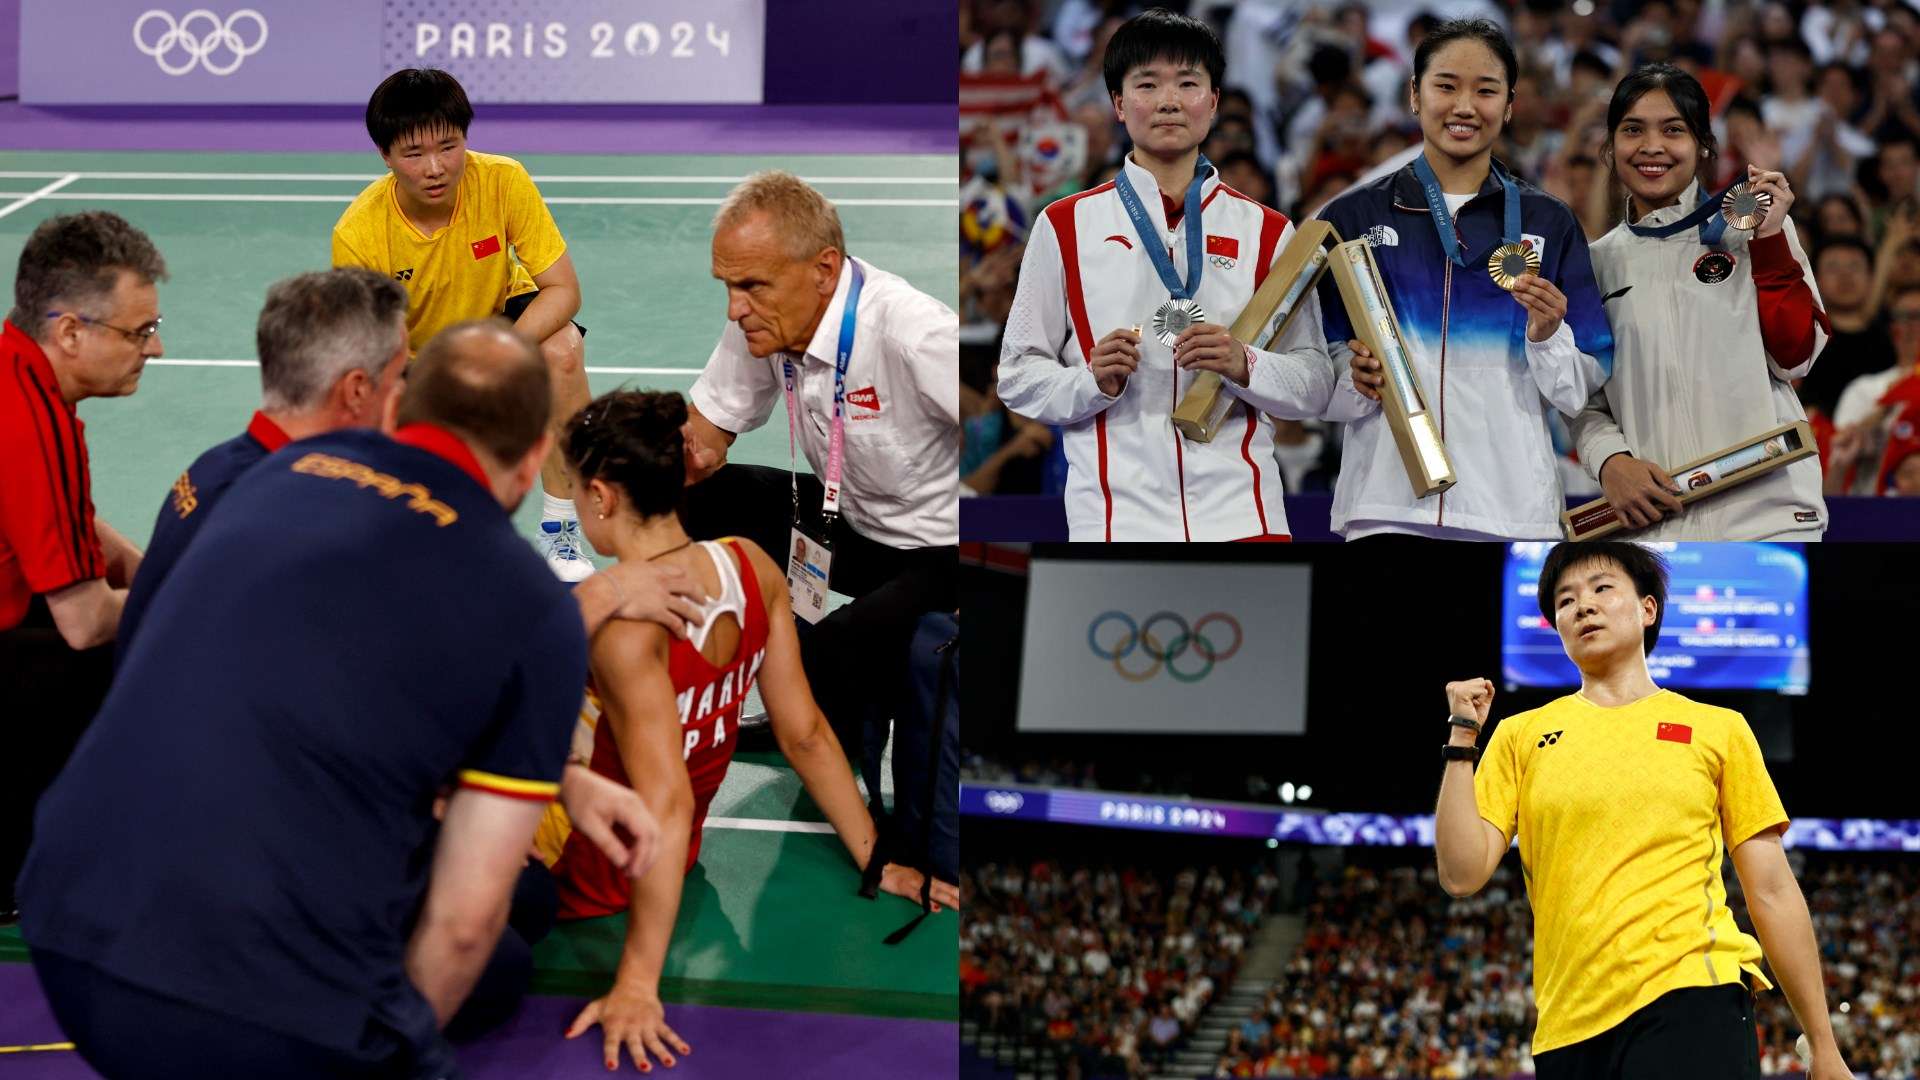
<point x="1174" y="317"/>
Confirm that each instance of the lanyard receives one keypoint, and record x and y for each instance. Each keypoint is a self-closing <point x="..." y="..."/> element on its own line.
<point x="1712" y="225"/>
<point x="1443" y="221"/>
<point x="830" y="499"/>
<point x="1150" y="238"/>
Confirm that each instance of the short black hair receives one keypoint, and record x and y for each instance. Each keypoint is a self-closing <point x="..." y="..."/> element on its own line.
<point x="1903" y="137"/>
<point x="1744" y="104"/>
<point x="1688" y="96"/>
<point x="1853" y="243"/>
<point x="1645" y="567"/>
<point x="1330" y="65"/>
<point x="632" y="439"/>
<point x="1159" y="34"/>
<point x="1481" y="30"/>
<point x="416" y="99"/>
<point x="1592" y="61"/>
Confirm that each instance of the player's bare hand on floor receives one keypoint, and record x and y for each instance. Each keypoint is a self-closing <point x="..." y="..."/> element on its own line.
<point x="633" y="1020"/>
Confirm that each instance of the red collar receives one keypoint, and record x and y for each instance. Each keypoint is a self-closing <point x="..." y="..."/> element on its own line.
<point x="1175" y="208"/>
<point x="21" y="343"/>
<point x="266" y="432"/>
<point x="440" y="442"/>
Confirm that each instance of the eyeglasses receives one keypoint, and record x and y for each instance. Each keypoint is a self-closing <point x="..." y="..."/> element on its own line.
<point x="139" y="335"/>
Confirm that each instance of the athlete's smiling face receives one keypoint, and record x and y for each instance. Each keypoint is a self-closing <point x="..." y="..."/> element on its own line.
<point x="1462" y="99"/>
<point x="1598" y="615"/>
<point x="427" y="165"/>
<point x="1167" y="106"/>
<point x="1654" y="152"/>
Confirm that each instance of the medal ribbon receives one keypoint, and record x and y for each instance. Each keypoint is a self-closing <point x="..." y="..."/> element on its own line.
<point x="1150" y="238"/>
<point x="1712" y="225"/>
<point x="1443" y="221"/>
<point x="830" y="498"/>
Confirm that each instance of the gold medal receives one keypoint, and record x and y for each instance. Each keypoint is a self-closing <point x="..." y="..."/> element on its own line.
<point x="1745" y="208"/>
<point x="1509" y="261"/>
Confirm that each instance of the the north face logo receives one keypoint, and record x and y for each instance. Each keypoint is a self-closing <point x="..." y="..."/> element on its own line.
<point x="866" y="399"/>
<point x="1382" y="236"/>
<point x="1551" y="737"/>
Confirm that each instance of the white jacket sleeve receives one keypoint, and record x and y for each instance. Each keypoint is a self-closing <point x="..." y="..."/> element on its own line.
<point x="1295" y="381"/>
<point x="1345" y="403"/>
<point x="1038" y="380"/>
<point x="1567" y="377"/>
<point x="1597" y="435"/>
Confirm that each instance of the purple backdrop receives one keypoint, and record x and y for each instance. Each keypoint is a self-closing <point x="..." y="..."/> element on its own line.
<point x="819" y="51"/>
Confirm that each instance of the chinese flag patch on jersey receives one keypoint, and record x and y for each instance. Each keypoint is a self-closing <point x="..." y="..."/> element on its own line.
<point x="1680" y="733"/>
<point x="866" y="399"/>
<point x="484" y="248"/>
<point x="1225" y="246"/>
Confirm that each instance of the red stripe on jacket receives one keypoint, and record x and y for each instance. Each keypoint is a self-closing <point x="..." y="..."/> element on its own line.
<point x="1061" y="214"/>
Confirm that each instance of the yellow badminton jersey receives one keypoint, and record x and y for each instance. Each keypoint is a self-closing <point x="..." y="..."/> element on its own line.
<point x="501" y="236"/>
<point x="1624" y="817"/>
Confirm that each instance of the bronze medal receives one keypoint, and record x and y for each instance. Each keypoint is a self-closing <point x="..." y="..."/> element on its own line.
<point x="1745" y="208"/>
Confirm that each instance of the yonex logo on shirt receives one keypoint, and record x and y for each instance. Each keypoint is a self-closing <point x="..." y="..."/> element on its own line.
<point x="1551" y="737"/>
<point x="403" y="275"/>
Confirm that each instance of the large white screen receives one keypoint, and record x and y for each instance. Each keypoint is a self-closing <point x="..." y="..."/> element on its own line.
<point x="1078" y="617"/>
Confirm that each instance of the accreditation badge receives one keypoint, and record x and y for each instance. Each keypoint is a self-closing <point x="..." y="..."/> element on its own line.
<point x="807" y="571"/>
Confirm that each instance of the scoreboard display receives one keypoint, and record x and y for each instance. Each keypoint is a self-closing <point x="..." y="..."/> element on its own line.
<point x="1736" y="619"/>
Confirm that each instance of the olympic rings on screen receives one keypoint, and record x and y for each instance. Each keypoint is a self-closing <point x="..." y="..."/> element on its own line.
<point x="1141" y="636"/>
<point x="200" y="48"/>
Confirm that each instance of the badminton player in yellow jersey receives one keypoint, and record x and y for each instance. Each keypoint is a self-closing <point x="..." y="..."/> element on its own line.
<point x="469" y="236"/>
<point x="1626" y="799"/>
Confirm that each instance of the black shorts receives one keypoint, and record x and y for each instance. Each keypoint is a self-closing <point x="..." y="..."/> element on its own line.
<point x="517" y="306"/>
<point x="1698" y="1033"/>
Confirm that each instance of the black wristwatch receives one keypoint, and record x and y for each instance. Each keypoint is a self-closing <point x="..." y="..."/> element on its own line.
<point x="1465" y="722"/>
<point x="1460" y="753"/>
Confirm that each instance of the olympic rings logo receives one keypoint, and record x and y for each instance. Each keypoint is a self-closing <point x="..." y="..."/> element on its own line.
<point x="1005" y="802"/>
<point x="200" y="48"/>
<point x="1140" y="636"/>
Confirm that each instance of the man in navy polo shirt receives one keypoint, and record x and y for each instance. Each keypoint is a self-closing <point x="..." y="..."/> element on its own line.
<point x="333" y="348"/>
<point x="238" y="873"/>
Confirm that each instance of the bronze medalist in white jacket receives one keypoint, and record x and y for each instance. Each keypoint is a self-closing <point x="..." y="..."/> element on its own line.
<point x="1693" y="374"/>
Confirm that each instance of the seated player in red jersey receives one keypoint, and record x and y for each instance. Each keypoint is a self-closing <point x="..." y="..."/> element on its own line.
<point x="667" y="711"/>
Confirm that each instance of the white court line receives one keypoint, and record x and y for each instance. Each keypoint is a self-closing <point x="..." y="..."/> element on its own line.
<point x="49" y="192"/>
<point x="23" y="200"/>
<point x="688" y="372"/>
<point x="363" y="178"/>
<point x="764" y="825"/>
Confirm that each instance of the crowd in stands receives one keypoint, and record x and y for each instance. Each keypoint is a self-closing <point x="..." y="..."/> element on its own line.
<point x="1107" y="966"/>
<point x="1395" y="979"/>
<point x="1315" y="100"/>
